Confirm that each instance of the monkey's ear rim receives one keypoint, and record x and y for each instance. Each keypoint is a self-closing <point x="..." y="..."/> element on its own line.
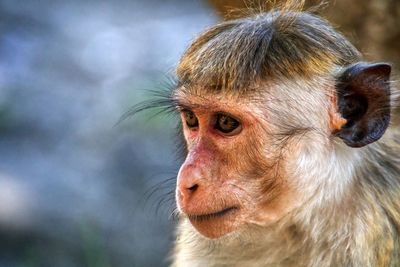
<point x="380" y="69"/>
<point x="363" y="100"/>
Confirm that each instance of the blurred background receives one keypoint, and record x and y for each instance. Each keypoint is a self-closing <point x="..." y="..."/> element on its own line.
<point x="74" y="189"/>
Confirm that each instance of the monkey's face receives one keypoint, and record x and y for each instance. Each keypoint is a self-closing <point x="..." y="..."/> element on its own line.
<point x="237" y="167"/>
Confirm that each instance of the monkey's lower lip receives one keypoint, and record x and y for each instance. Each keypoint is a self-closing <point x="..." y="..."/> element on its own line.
<point x="209" y="216"/>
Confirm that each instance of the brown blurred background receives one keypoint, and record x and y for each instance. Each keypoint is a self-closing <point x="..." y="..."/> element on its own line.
<point x="372" y="25"/>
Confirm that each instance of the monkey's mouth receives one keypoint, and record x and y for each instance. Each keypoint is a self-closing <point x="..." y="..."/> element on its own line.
<point x="210" y="216"/>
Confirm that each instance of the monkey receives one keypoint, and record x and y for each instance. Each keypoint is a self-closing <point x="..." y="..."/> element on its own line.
<point x="291" y="154"/>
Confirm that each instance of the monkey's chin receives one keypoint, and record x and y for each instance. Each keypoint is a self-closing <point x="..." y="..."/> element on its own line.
<point x="215" y="225"/>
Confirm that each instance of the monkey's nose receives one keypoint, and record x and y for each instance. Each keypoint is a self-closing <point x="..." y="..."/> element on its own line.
<point x="191" y="179"/>
<point x="189" y="186"/>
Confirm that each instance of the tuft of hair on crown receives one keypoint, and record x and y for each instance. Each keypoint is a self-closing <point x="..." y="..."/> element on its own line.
<point x="284" y="42"/>
<point x="254" y="7"/>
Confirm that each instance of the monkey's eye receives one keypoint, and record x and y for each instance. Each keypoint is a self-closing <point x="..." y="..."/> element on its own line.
<point x="190" y="119"/>
<point x="227" y="125"/>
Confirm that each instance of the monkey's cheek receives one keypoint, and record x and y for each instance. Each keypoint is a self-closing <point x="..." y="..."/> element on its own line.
<point x="214" y="228"/>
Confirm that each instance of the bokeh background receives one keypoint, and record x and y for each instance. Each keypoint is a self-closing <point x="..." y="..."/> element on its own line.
<point x="76" y="190"/>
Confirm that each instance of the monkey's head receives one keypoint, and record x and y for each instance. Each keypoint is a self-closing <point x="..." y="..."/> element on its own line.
<point x="270" y="105"/>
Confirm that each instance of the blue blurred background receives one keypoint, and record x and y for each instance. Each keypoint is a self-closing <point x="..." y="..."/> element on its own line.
<point x="74" y="190"/>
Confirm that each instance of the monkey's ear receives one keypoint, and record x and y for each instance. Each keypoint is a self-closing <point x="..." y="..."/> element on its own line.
<point x="363" y="99"/>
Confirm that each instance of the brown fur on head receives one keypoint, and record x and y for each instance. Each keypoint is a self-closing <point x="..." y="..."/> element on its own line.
<point x="295" y="100"/>
<point x="240" y="53"/>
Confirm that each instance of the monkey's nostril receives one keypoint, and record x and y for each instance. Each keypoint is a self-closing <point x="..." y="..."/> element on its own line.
<point x="193" y="188"/>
